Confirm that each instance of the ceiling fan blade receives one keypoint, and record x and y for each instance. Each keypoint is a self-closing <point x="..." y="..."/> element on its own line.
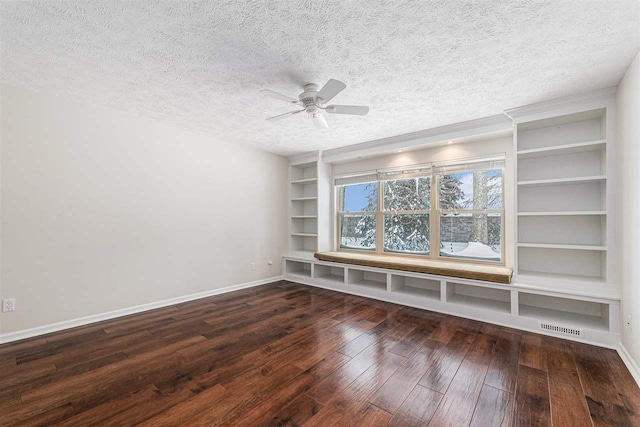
<point x="319" y="121"/>
<point x="330" y="89"/>
<point x="282" y="116"/>
<point x="357" y="110"/>
<point x="281" y="97"/>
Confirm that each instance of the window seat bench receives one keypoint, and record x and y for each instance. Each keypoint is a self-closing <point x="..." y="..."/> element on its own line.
<point x="486" y="273"/>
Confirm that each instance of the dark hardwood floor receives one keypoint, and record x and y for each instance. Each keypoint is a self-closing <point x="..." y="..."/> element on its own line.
<point x="287" y="354"/>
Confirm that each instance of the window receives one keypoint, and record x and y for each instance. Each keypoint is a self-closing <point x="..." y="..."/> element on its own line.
<point x="357" y="208"/>
<point x="452" y="211"/>
<point x="406" y="215"/>
<point x="470" y="214"/>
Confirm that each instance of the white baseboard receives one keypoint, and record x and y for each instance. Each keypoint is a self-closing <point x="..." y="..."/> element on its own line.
<point x="67" y="324"/>
<point x="631" y="364"/>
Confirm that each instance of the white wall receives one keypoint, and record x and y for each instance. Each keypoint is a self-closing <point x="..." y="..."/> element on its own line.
<point x="446" y="152"/>
<point x="628" y="135"/>
<point x="102" y="210"/>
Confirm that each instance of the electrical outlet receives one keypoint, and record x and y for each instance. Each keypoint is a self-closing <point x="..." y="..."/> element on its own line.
<point x="8" y="304"/>
<point x="270" y="263"/>
<point x="253" y="266"/>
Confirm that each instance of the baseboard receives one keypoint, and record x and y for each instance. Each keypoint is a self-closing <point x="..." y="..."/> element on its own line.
<point x="67" y="324"/>
<point x="631" y="364"/>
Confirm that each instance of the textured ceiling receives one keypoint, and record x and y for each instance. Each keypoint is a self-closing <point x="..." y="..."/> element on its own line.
<point x="417" y="64"/>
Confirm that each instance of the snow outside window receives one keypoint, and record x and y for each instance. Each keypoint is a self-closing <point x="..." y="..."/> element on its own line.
<point x="463" y="219"/>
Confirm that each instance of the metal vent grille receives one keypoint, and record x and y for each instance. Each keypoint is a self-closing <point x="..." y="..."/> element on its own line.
<point x="559" y="329"/>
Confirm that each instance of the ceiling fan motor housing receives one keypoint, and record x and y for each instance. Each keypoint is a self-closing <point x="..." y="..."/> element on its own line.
<point x="308" y="98"/>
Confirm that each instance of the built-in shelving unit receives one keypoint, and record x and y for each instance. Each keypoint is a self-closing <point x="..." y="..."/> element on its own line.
<point x="562" y="181"/>
<point x="304" y="207"/>
<point x="594" y="315"/>
<point x="309" y="204"/>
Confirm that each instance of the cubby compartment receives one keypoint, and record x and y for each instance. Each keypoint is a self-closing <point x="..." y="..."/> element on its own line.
<point x="327" y="272"/>
<point x="304" y="189"/>
<point x="368" y="279"/>
<point x="562" y="130"/>
<point x="424" y="288"/>
<point x="298" y="268"/>
<point x="479" y="296"/>
<point x="564" y="311"/>
<point x="563" y="229"/>
<point x="304" y="172"/>
<point x="304" y="207"/>
<point x="569" y="197"/>
<point x="304" y="243"/>
<point x="591" y="162"/>
<point x="304" y="226"/>
<point x="562" y="263"/>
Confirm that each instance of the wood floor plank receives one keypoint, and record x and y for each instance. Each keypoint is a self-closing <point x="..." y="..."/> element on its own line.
<point x="458" y="404"/>
<point x="289" y="354"/>
<point x="494" y="408"/>
<point x="532" y="405"/>
<point x="418" y="408"/>
<point x="624" y="383"/>
<point x="393" y="393"/>
<point x="532" y="352"/>
<point x="446" y="361"/>
<point x="503" y="368"/>
<point x="605" y="405"/>
<point x="296" y="413"/>
<point x="568" y="404"/>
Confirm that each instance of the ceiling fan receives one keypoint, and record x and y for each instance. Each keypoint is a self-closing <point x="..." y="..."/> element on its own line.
<point x="314" y="102"/>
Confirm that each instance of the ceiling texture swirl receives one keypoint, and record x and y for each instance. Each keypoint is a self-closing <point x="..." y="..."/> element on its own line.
<point x="416" y="64"/>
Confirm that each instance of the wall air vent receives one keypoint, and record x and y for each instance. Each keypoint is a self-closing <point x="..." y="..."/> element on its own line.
<point x="559" y="329"/>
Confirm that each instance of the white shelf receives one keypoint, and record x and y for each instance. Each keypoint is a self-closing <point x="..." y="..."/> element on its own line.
<point x="304" y="216"/>
<point x="302" y="199"/>
<point x="556" y="246"/>
<point x="564" y="317"/>
<point x="489" y="304"/>
<point x="305" y="181"/>
<point x="370" y="284"/>
<point x="560" y="213"/>
<point x="305" y="234"/>
<point x="528" y="276"/>
<point x="419" y="292"/>
<point x="559" y="150"/>
<point x="557" y="181"/>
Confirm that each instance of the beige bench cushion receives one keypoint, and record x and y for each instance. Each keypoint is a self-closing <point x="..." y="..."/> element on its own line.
<point x="441" y="268"/>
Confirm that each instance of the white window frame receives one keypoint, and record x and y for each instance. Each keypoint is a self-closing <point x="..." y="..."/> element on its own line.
<point x="434" y="212"/>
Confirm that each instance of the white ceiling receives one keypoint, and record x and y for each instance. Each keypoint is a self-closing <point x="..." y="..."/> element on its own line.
<point x="417" y="64"/>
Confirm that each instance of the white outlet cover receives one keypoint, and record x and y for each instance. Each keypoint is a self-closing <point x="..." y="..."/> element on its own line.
<point x="8" y="305"/>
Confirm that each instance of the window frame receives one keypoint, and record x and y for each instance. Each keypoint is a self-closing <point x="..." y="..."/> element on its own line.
<point x="434" y="222"/>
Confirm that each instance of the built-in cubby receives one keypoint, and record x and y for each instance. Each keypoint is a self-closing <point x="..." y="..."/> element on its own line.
<point x="591" y="318"/>
<point x="298" y="268"/>
<point x="328" y="272"/>
<point x="564" y="311"/>
<point x="365" y="278"/>
<point x="579" y="229"/>
<point x="573" y="196"/>
<point x="415" y="286"/>
<point x="563" y="262"/>
<point x="301" y="243"/>
<point x="489" y="298"/>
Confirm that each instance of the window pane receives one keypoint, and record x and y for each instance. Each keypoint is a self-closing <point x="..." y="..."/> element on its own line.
<point x="406" y="233"/>
<point x="471" y="190"/>
<point x="407" y="194"/>
<point x="358" y="231"/>
<point x="359" y="197"/>
<point x="472" y="236"/>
